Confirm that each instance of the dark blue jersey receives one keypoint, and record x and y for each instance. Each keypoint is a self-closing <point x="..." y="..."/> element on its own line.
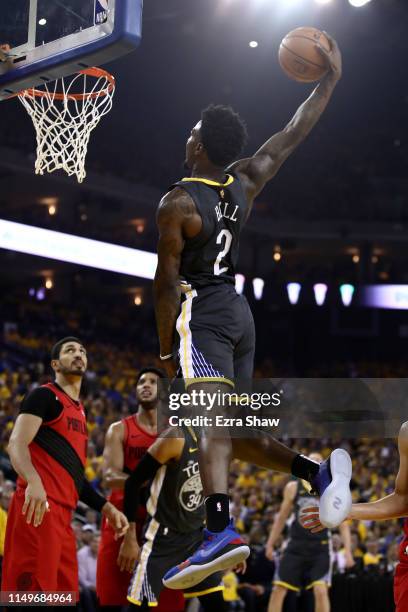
<point x="210" y="257"/>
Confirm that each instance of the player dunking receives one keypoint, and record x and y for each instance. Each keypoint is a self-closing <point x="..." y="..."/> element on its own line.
<point x="126" y="443"/>
<point x="392" y="506"/>
<point x="48" y="451"/>
<point x="199" y="224"/>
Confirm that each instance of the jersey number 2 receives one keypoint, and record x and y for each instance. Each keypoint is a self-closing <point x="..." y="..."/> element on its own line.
<point x="228" y="241"/>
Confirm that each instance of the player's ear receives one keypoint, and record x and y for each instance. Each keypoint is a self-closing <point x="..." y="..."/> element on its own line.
<point x="200" y="148"/>
<point x="55" y="365"/>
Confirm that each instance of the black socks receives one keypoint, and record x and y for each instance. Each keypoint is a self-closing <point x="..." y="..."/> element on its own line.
<point x="304" y="468"/>
<point x="217" y="509"/>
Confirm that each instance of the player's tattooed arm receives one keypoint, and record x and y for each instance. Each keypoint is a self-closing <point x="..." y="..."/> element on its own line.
<point x="175" y="210"/>
<point x="113" y="458"/>
<point x="257" y="170"/>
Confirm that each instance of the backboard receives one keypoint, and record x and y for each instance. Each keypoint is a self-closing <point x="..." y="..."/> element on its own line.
<point x="54" y="38"/>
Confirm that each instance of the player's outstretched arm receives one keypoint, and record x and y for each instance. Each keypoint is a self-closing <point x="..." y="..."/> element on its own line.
<point x="394" y="505"/>
<point x="289" y="494"/>
<point x="24" y="431"/>
<point x="390" y="507"/>
<point x="113" y="458"/>
<point x="257" y="170"/>
<point x="174" y="209"/>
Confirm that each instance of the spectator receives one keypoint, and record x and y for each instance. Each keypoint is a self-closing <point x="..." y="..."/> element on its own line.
<point x="372" y="556"/>
<point x="87" y="573"/>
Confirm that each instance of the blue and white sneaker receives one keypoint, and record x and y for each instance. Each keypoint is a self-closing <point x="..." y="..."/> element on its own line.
<point x="219" y="552"/>
<point x="332" y="484"/>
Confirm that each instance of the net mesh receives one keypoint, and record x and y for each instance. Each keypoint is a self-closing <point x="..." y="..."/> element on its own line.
<point x="64" y="119"/>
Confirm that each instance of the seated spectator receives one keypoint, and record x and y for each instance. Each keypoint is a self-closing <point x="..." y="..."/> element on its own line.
<point x="372" y="556"/>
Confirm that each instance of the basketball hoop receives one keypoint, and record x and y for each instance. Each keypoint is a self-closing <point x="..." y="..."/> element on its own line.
<point x="64" y="120"/>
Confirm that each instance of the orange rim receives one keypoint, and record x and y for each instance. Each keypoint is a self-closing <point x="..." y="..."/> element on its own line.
<point x="93" y="72"/>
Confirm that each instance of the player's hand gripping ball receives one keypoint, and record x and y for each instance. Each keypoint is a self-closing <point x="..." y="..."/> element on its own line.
<point x="300" y="54"/>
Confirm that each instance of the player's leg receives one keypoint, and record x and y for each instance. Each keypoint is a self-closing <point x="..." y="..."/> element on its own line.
<point x="288" y="577"/>
<point x="222" y="547"/>
<point x="31" y="554"/>
<point x="318" y="564"/>
<point x="67" y="577"/>
<point x="321" y="597"/>
<point x="277" y="598"/>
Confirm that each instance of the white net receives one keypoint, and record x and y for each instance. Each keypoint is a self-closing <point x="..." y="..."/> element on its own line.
<point x="64" y="119"/>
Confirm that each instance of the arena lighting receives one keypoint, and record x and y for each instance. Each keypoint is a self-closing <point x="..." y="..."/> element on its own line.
<point x="293" y="290"/>
<point x="40" y="295"/>
<point x="386" y="296"/>
<point x="73" y="249"/>
<point x="49" y="283"/>
<point x="253" y="44"/>
<point x="258" y="285"/>
<point x="346" y="292"/>
<point x="320" y="290"/>
<point x="239" y="283"/>
<point x="359" y="3"/>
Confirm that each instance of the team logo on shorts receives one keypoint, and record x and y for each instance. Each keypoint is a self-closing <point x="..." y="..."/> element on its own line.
<point x="191" y="493"/>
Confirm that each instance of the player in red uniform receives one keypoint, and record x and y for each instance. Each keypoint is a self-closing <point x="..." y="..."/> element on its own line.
<point x="390" y="507"/>
<point x="126" y="443"/>
<point x="48" y="451"/>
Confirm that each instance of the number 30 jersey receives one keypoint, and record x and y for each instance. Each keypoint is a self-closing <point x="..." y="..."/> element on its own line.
<point x="210" y="257"/>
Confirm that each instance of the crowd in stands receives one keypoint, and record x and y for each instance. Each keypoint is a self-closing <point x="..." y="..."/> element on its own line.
<point x="109" y="394"/>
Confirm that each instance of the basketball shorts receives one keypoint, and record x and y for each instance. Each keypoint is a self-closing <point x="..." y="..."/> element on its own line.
<point x="401" y="579"/>
<point x="163" y="549"/>
<point x="304" y="564"/>
<point x="40" y="558"/>
<point x="215" y="335"/>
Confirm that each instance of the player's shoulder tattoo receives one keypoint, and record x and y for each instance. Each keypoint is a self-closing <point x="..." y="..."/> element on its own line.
<point x="177" y="201"/>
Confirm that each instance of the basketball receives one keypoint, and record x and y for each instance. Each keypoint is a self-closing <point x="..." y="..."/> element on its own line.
<point x="299" y="57"/>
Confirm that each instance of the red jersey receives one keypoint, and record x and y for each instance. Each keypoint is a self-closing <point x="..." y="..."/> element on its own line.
<point x="136" y="441"/>
<point x="58" y="451"/>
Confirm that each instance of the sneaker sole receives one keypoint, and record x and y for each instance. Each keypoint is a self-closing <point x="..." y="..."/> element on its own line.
<point x="194" y="574"/>
<point x="335" y="503"/>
